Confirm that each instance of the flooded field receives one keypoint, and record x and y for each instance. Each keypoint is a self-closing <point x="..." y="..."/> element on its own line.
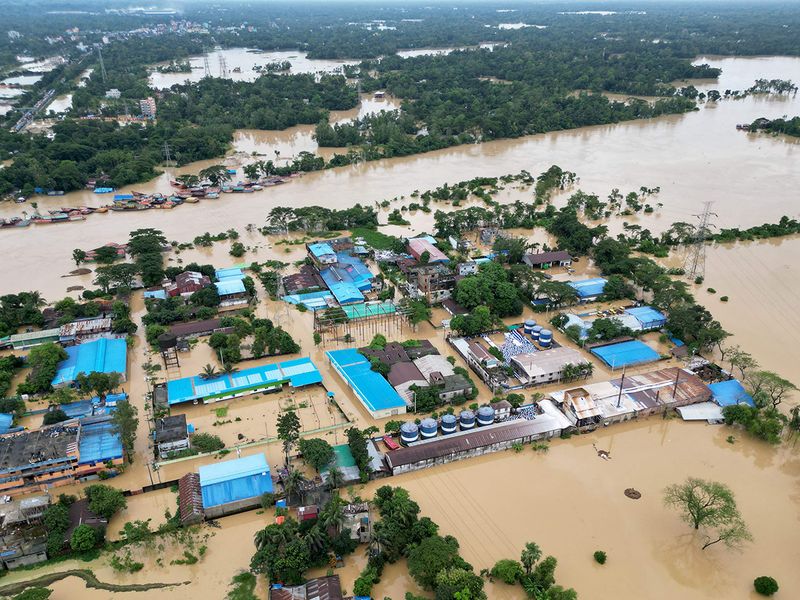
<point x="239" y="63"/>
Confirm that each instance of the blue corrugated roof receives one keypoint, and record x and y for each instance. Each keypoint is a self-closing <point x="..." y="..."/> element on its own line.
<point x="648" y="316"/>
<point x="233" y="480"/>
<point x="231" y="273"/>
<point x="104" y="355"/>
<point x="159" y="294"/>
<point x="729" y="393"/>
<point x="320" y="249"/>
<point x="99" y="443"/>
<point x="311" y="300"/>
<point x="371" y="388"/>
<point x="346" y="293"/>
<point x="299" y="372"/>
<point x="228" y="287"/>
<point x="588" y="287"/>
<point x="625" y="354"/>
<point x="6" y="420"/>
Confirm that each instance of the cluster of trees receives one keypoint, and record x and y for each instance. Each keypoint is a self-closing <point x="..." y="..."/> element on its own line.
<point x="112" y="154"/>
<point x="433" y="561"/>
<point x="8" y="367"/>
<point x="17" y="310"/>
<point x="490" y="286"/>
<point x="43" y="362"/>
<point x="535" y="574"/>
<point x="265" y="339"/>
<point x="320" y="219"/>
<point x="787" y="126"/>
<point x="285" y="551"/>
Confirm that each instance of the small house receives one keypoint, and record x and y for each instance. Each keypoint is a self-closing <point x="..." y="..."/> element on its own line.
<point x="171" y="434"/>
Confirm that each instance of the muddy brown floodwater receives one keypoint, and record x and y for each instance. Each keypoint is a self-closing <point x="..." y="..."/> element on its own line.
<point x="568" y="501"/>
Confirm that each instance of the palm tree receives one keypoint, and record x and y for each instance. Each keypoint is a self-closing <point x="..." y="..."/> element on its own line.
<point x="316" y="539"/>
<point x="36" y="298"/>
<point x="332" y="516"/>
<point x="335" y="478"/>
<point x="252" y="170"/>
<point x="229" y="369"/>
<point x="293" y="484"/>
<point x="209" y="372"/>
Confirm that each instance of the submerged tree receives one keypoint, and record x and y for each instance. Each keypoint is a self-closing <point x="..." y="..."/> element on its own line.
<point x="710" y="506"/>
<point x="288" y="431"/>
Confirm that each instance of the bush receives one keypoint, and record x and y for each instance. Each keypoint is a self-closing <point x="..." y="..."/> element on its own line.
<point x="766" y="586"/>
<point x="105" y="500"/>
<point x="723" y="299"/>
<point x="711" y="291"/>
<point x="206" y="442"/>
<point x="83" y="538"/>
<point x="600" y="557"/>
<point x="55" y="416"/>
<point x="267" y="500"/>
<point x="507" y="570"/>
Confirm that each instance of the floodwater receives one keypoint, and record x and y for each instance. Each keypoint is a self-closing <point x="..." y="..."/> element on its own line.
<point x="21" y="80"/>
<point x="60" y="104"/>
<point x="245" y="59"/>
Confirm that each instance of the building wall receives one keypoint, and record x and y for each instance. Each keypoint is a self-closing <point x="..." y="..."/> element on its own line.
<point x="232" y="507"/>
<point x="480" y="451"/>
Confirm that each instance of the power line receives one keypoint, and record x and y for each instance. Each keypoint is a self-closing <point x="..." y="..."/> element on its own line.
<point x="696" y="258"/>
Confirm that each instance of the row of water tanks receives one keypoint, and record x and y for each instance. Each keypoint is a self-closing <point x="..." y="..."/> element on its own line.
<point x="540" y="335"/>
<point x="428" y="428"/>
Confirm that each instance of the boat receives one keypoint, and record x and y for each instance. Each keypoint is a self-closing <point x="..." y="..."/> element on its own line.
<point x="14" y="222"/>
<point x="102" y="209"/>
<point x="190" y="200"/>
<point x="212" y="195"/>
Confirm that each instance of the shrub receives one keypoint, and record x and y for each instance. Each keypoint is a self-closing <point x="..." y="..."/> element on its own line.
<point x="600" y="557"/>
<point x="507" y="570"/>
<point x="711" y="290"/>
<point x="83" y="538"/>
<point x="766" y="586"/>
<point x="723" y="299"/>
<point x="206" y="442"/>
<point x="267" y="500"/>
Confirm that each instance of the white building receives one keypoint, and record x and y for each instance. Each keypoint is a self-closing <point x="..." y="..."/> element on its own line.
<point x="545" y="366"/>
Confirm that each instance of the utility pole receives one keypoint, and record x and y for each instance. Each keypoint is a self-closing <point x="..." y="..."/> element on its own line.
<point x="103" y="73"/>
<point x="696" y="258"/>
<point x="621" y="386"/>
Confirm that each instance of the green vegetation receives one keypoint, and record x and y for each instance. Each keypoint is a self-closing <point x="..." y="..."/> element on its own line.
<point x="600" y="557"/>
<point x="125" y="422"/>
<point x="207" y="442"/>
<point x="105" y="500"/>
<point x="243" y="586"/>
<point x="786" y="126"/>
<point x="43" y="361"/>
<point x="766" y="586"/>
<point x="357" y="442"/>
<point x="710" y="507"/>
<point x="317" y="453"/>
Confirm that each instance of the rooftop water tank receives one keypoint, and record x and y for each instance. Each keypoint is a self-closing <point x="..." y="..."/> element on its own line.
<point x="449" y="424"/>
<point x="535" y="332"/>
<point x="409" y="432"/>
<point x="467" y="419"/>
<point x="485" y="416"/>
<point x="545" y="338"/>
<point x="428" y="428"/>
<point x="529" y="325"/>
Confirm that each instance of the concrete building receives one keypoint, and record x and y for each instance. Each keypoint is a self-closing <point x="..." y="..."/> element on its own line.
<point x="403" y="376"/>
<point x="148" y="107"/>
<point x="322" y="254"/>
<point x="535" y="368"/>
<point x="196" y="329"/>
<point x="467" y="268"/>
<point x="419" y="246"/>
<point x="232" y="294"/>
<point x="84" y="330"/>
<point x="171" y="435"/>
<point x="473" y="442"/>
<point x="23" y="538"/>
<point x="22" y="341"/>
<point x="482" y="356"/>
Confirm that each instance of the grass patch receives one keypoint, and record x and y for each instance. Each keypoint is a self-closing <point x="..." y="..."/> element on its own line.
<point x="378" y="240"/>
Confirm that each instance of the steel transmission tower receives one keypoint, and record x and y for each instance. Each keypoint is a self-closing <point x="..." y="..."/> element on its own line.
<point x="102" y="64"/>
<point x="206" y="66"/>
<point x="223" y="67"/>
<point x="167" y="154"/>
<point x="696" y="258"/>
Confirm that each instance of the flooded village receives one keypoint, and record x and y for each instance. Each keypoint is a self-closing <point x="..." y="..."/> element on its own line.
<point x="247" y="352"/>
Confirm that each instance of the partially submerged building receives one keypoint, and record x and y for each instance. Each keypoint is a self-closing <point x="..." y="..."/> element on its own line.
<point x="544" y="366"/>
<point x="546" y="260"/>
<point x="271" y="377"/>
<point x="417" y="247"/>
<point x="23" y="537"/>
<point x="104" y="355"/>
<point x="171" y="434"/>
<point x="234" y="485"/>
<point x="588" y="290"/>
<point x="375" y="393"/>
<point x="320" y="588"/>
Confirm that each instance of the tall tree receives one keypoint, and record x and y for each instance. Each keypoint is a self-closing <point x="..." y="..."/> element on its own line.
<point x="710" y="506"/>
<point x="288" y="431"/>
<point x="125" y="423"/>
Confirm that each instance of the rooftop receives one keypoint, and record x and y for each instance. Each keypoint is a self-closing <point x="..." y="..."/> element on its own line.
<point x="298" y="373"/>
<point x="632" y="352"/>
<point x="370" y="387"/>
<point x="230" y="286"/>
<point x="320" y="249"/>
<point x="171" y="429"/>
<point x="232" y="480"/>
<point x="588" y="288"/>
<point x="463" y="441"/>
<point x="54" y="444"/>
<point x="405" y="372"/>
<point x="729" y="393"/>
<point x="542" y="258"/>
<point x="393" y="352"/>
<point x="545" y="362"/>
<point x="418" y="246"/>
<point x="230" y="273"/>
<point x="104" y="355"/>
